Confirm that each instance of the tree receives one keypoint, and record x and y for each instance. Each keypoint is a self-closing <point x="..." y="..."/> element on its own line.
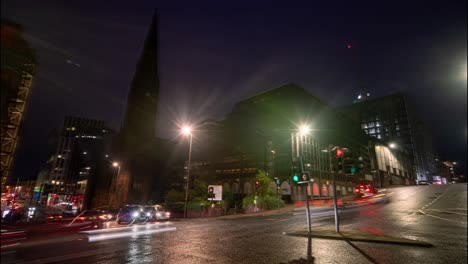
<point x="264" y="181"/>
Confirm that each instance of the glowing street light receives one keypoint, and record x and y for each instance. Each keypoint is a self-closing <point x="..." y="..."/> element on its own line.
<point x="392" y="145"/>
<point x="304" y="130"/>
<point x="115" y="164"/>
<point x="186" y="130"/>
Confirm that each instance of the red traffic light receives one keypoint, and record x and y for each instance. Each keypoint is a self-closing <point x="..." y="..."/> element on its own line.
<point x="210" y="190"/>
<point x="339" y="153"/>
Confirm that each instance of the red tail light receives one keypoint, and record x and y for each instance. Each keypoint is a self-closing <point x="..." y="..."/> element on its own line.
<point x="367" y="189"/>
<point x="82" y="218"/>
<point x="357" y="190"/>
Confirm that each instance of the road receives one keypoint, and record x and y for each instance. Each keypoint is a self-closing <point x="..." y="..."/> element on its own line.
<point x="434" y="214"/>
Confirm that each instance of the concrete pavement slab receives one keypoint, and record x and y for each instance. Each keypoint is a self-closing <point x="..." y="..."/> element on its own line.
<point x="353" y="235"/>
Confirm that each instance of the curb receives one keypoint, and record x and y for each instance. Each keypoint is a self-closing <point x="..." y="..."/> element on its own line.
<point x="361" y="237"/>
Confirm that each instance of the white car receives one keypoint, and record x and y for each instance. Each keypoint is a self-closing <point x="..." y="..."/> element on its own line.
<point x="156" y="213"/>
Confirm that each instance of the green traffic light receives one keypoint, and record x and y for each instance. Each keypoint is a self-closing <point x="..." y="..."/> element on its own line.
<point x="353" y="169"/>
<point x="295" y="178"/>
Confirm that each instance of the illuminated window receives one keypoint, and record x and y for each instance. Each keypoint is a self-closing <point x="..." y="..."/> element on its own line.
<point x="377" y="124"/>
<point x="371" y="131"/>
<point x="397" y="127"/>
<point x="364" y="126"/>
<point x="371" y="124"/>
<point x="379" y="137"/>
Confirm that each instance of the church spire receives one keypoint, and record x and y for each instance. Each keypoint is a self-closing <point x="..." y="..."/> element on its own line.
<point x="139" y="125"/>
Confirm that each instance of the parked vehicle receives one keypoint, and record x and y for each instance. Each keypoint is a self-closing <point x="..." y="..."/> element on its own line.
<point x="423" y="183"/>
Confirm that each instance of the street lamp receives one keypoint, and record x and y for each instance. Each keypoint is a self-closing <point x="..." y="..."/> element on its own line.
<point x="392" y="145"/>
<point x="114" y="183"/>
<point x="304" y="130"/>
<point x="187" y="130"/>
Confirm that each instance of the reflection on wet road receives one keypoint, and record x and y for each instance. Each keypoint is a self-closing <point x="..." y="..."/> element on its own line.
<point x="261" y="239"/>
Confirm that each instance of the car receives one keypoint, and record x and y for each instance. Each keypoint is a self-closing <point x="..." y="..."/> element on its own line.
<point x="92" y="216"/>
<point x="423" y="183"/>
<point x="156" y="213"/>
<point x="132" y="214"/>
<point x="365" y="190"/>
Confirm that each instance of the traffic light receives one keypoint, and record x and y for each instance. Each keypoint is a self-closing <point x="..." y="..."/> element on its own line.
<point x="354" y="169"/>
<point x="211" y="192"/>
<point x="339" y="153"/>
<point x="257" y="185"/>
<point x="295" y="178"/>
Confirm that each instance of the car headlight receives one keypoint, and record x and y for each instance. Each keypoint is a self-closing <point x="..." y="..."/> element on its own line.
<point x="148" y="214"/>
<point x="158" y="214"/>
<point x="135" y="214"/>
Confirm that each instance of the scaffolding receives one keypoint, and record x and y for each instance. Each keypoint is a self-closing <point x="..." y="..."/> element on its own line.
<point x="11" y="127"/>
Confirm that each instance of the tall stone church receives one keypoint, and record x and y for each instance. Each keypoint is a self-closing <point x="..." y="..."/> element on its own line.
<point x="136" y="146"/>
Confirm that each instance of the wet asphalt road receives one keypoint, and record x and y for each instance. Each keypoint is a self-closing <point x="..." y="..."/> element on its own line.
<point x="435" y="214"/>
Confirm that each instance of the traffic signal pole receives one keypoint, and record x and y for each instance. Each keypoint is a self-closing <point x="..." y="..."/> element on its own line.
<point x="335" y="204"/>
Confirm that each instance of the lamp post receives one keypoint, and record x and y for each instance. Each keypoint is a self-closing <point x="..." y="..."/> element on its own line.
<point x="186" y="130"/>
<point x="304" y="131"/>
<point x="335" y="204"/>
<point x="114" y="182"/>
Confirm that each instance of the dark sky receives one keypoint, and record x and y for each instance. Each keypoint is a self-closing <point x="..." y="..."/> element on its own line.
<point x="216" y="54"/>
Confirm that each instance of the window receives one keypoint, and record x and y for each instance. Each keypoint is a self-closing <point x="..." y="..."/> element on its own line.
<point x="371" y="131"/>
<point x="371" y="124"/>
<point x="378" y="136"/>
<point x="364" y="126"/>
<point x="397" y="127"/>
<point x="377" y="124"/>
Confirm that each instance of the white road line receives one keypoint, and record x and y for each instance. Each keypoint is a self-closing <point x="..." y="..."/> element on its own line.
<point x="446" y="212"/>
<point x="441" y="218"/>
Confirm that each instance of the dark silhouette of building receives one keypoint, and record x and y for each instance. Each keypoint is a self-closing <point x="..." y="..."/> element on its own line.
<point x="17" y="71"/>
<point x="261" y="133"/>
<point x="137" y="143"/>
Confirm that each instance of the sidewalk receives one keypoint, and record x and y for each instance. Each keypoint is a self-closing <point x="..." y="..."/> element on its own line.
<point x="355" y="235"/>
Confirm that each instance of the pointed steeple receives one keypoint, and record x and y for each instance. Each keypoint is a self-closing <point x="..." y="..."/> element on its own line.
<point x="139" y="125"/>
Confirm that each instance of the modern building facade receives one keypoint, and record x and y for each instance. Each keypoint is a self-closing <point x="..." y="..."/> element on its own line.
<point x="78" y="170"/>
<point x="17" y="72"/>
<point x="390" y="121"/>
<point x="262" y="133"/>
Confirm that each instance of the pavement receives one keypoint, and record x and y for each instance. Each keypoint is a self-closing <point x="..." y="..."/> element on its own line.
<point x="354" y="235"/>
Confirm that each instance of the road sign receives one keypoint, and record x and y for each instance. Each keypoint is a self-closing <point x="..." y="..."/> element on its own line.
<point x="218" y="192"/>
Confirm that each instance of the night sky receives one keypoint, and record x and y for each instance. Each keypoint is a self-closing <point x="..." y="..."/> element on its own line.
<point x="216" y="54"/>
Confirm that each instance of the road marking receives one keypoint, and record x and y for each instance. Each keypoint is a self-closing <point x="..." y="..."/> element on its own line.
<point x="446" y="212"/>
<point x="435" y="200"/>
<point x="441" y="218"/>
